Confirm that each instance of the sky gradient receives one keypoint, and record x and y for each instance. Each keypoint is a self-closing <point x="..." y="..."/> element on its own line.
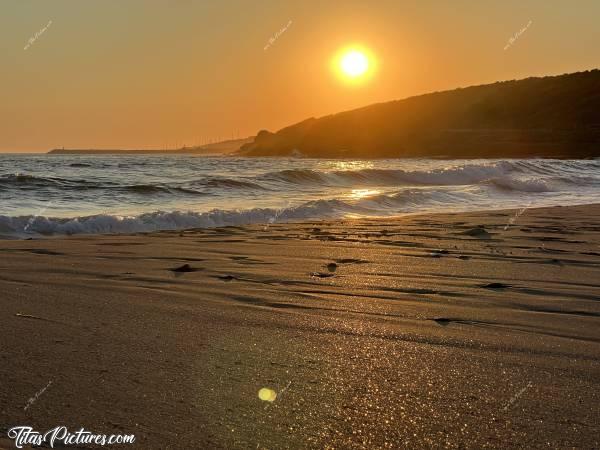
<point x="157" y="74"/>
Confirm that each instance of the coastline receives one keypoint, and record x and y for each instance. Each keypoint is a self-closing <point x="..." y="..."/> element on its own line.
<point x="420" y="330"/>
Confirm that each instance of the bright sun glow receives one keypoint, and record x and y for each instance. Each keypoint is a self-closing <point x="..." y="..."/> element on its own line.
<point x="354" y="63"/>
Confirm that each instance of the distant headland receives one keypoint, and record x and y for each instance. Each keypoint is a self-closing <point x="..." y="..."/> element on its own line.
<point x="217" y="148"/>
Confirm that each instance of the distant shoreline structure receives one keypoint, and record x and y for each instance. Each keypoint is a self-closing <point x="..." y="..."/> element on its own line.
<point x="218" y="148"/>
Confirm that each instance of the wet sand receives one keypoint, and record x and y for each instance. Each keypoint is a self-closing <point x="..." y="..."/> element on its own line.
<point x="422" y="331"/>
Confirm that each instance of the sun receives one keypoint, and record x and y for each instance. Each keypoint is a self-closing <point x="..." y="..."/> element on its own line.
<point x="354" y="64"/>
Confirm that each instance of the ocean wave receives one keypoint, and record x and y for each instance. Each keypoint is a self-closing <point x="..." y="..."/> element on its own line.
<point x="458" y="175"/>
<point x="528" y="185"/>
<point x="408" y="200"/>
<point x="21" y="180"/>
<point x="226" y="183"/>
<point x="527" y="176"/>
<point x="317" y="189"/>
<point x="157" y="188"/>
<point x="26" y="181"/>
<point x="160" y="220"/>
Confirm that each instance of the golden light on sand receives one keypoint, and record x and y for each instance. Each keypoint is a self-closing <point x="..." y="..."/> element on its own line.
<point x="354" y="64"/>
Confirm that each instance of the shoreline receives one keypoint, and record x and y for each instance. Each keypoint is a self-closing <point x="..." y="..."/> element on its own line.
<point x="423" y="330"/>
<point x="292" y="222"/>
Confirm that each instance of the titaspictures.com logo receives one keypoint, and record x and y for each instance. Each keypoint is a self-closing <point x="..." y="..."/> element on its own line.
<point x="24" y="435"/>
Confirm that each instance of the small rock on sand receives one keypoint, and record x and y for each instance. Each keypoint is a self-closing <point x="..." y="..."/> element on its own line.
<point x="442" y="321"/>
<point x="477" y="232"/>
<point x="226" y="277"/>
<point x="496" y="286"/>
<point x="321" y="275"/>
<point x="184" y="268"/>
<point x="350" y="261"/>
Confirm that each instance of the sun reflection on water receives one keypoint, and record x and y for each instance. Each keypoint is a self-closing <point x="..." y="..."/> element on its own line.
<point x="349" y="165"/>
<point x="358" y="194"/>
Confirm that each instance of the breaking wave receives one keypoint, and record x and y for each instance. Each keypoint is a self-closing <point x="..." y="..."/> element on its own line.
<point x="42" y="196"/>
<point x="410" y="200"/>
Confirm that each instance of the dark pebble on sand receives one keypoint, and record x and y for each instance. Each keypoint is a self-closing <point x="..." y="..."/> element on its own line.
<point x="184" y="268"/>
<point x="477" y="232"/>
<point x="442" y="321"/>
<point x="496" y="286"/>
<point x="350" y="261"/>
<point x="226" y="277"/>
<point x="332" y="267"/>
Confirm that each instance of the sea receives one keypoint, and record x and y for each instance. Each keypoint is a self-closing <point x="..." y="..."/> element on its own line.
<point x="50" y="195"/>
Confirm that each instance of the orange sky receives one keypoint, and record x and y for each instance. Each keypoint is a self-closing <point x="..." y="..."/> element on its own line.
<point x="150" y="73"/>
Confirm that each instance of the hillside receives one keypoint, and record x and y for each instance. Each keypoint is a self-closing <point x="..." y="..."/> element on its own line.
<point x="556" y="116"/>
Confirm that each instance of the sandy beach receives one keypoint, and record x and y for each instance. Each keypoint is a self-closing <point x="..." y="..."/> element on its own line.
<point x="467" y="330"/>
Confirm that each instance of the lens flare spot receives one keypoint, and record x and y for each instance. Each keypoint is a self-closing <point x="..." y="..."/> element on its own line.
<point x="267" y="395"/>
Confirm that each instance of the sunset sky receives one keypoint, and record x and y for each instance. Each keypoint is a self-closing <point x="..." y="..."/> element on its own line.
<point x="155" y="74"/>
